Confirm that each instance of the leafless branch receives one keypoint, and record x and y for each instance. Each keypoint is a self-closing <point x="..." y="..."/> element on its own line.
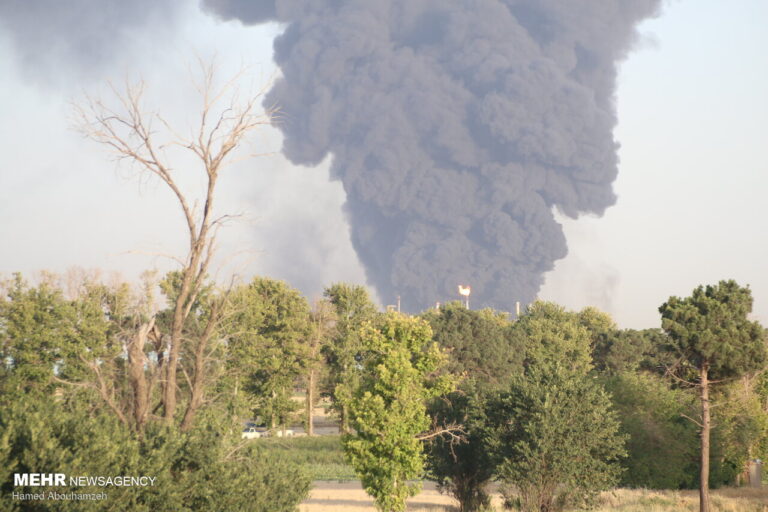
<point x="234" y="450"/>
<point x="127" y="129"/>
<point x="693" y="420"/>
<point x="453" y="432"/>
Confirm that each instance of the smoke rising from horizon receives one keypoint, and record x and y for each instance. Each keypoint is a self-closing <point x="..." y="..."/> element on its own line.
<point x="456" y="129"/>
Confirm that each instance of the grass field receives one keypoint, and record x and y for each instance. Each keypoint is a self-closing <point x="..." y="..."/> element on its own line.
<point x="722" y="500"/>
<point x="336" y="487"/>
<point x="321" y="456"/>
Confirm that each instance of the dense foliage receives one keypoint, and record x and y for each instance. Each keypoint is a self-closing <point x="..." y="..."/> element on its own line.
<point x="387" y="407"/>
<point x="69" y="397"/>
<point x="555" y="436"/>
<point x="716" y="340"/>
<point x="661" y="442"/>
<point x="195" y="470"/>
<point x="267" y="333"/>
<point x="464" y="469"/>
<point x="84" y="364"/>
<point x="478" y="343"/>
<point x="483" y="355"/>
<point x="353" y="309"/>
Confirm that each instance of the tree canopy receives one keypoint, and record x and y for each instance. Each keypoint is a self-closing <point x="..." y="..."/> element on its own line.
<point x="387" y="407"/>
<point x="484" y="355"/>
<point x="477" y="342"/>
<point x="268" y="335"/>
<point x="712" y="329"/>
<point x="713" y="335"/>
<point x="555" y="435"/>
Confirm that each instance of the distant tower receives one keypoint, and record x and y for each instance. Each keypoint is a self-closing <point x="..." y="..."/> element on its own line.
<point x="464" y="291"/>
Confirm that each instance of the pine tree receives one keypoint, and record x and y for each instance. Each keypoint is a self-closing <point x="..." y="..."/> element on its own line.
<point x="715" y="339"/>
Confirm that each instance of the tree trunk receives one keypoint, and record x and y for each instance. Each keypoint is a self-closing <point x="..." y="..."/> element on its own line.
<point x="344" y="420"/>
<point x="273" y="419"/>
<point x="470" y="493"/>
<point x="704" y="482"/>
<point x="137" y="375"/>
<point x="191" y="275"/>
<point x="196" y="398"/>
<point x="310" y="401"/>
<point x="131" y="135"/>
<point x="199" y="379"/>
<point x="169" y="391"/>
<point x="235" y="401"/>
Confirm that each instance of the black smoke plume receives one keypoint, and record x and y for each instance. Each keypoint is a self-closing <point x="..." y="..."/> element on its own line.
<point x="456" y="127"/>
<point x="52" y="38"/>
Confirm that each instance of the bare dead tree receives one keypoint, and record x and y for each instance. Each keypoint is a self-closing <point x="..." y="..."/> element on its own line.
<point x="128" y="129"/>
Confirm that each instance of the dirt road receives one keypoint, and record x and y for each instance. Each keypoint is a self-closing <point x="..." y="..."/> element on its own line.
<point x="350" y="497"/>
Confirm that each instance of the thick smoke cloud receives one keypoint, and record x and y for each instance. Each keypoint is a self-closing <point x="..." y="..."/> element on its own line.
<point x="456" y="128"/>
<point x="55" y="38"/>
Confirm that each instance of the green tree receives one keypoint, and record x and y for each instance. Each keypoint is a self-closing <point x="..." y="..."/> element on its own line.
<point x="661" y="447"/>
<point x="760" y="389"/>
<point x="37" y="323"/>
<point x="477" y="342"/>
<point x="354" y="308"/>
<point x="464" y="468"/>
<point x="595" y="321"/>
<point x="68" y="402"/>
<point x="716" y="339"/>
<point x="71" y="346"/>
<point x="195" y="470"/>
<point x="551" y="334"/>
<point x="387" y="407"/>
<point x="558" y="440"/>
<point x="629" y="350"/>
<point x="742" y="428"/>
<point x="555" y="436"/>
<point x="483" y="355"/>
<point x="322" y="330"/>
<point x="267" y="332"/>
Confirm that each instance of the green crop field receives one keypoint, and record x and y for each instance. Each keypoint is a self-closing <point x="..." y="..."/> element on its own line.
<point x="321" y="456"/>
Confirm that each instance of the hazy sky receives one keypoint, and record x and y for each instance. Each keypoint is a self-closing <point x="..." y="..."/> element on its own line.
<point x="693" y="176"/>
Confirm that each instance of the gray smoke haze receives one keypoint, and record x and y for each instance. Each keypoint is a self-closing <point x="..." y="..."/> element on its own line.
<point x="53" y="39"/>
<point x="455" y="128"/>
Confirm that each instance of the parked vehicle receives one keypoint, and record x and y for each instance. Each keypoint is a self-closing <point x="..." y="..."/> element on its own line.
<point x="250" y="433"/>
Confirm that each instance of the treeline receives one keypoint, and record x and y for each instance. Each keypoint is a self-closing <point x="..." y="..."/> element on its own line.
<point x="560" y="405"/>
<point x="87" y="386"/>
<point x="556" y="405"/>
<point x="84" y="387"/>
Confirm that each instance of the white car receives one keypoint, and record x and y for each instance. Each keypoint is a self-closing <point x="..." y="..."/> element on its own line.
<point x="250" y="433"/>
<point x="288" y="433"/>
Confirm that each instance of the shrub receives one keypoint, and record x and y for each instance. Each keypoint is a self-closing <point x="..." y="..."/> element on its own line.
<point x="197" y="470"/>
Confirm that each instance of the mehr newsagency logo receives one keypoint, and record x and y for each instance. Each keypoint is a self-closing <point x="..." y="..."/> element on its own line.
<point x="62" y="480"/>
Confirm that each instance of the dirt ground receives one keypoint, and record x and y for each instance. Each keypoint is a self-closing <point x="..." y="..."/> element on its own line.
<point x="350" y="497"/>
